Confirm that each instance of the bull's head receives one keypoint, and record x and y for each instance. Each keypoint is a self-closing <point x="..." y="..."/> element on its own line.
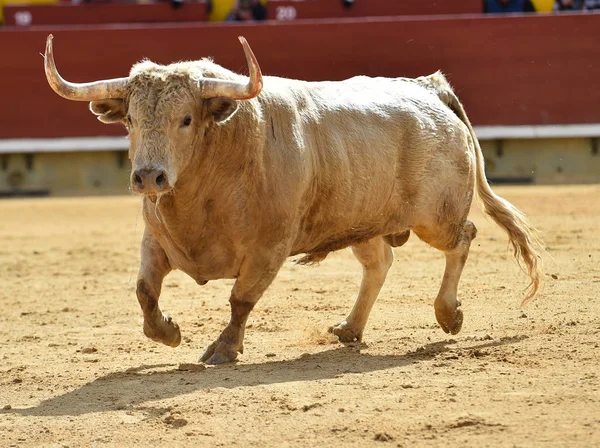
<point x="165" y="110"/>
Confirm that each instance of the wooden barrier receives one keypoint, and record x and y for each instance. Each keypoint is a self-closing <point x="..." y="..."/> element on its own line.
<point x="102" y="13"/>
<point x="21" y="2"/>
<point x="321" y="9"/>
<point x="516" y="70"/>
<point x="116" y="12"/>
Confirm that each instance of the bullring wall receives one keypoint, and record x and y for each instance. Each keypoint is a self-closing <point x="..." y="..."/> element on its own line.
<point x="516" y="70"/>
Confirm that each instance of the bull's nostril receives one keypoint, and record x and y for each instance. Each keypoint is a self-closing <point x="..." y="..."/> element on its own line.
<point x="138" y="180"/>
<point x="161" y="179"/>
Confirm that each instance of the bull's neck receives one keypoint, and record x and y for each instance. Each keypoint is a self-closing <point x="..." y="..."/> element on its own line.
<point x="226" y="169"/>
<point x="198" y="191"/>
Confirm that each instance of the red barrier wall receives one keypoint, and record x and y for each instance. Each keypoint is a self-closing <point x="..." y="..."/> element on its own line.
<point x="116" y="12"/>
<point x="507" y="70"/>
<point x="101" y="13"/>
<point x="317" y="9"/>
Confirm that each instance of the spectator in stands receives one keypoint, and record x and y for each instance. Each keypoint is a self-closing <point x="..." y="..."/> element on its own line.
<point x="543" y="5"/>
<point x="218" y="10"/>
<point x="592" y="4"/>
<point x="568" y="5"/>
<point x="176" y="3"/>
<point x="499" y="6"/>
<point x="245" y="10"/>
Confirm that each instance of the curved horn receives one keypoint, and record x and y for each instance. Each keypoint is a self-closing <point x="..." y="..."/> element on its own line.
<point x="212" y="88"/>
<point x="88" y="91"/>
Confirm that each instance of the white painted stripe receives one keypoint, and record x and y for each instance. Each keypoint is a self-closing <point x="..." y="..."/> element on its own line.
<point x="547" y="131"/>
<point x="74" y="144"/>
<point x="84" y="144"/>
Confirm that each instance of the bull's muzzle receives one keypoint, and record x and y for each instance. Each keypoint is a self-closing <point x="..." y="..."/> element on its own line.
<point x="149" y="181"/>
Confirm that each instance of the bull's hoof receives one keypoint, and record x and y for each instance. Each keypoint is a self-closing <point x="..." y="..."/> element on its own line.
<point x="165" y="330"/>
<point x="346" y="333"/>
<point x="450" y="320"/>
<point x="219" y="353"/>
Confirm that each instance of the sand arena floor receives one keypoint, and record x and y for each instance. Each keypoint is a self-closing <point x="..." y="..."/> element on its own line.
<point x="76" y="369"/>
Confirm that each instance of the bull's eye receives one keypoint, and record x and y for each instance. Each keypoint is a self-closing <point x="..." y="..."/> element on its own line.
<point x="187" y="120"/>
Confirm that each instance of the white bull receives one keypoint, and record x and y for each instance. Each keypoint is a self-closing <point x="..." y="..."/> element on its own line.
<point x="237" y="176"/>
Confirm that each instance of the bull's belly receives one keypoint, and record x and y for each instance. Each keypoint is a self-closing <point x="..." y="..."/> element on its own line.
<point x="336" y="238"/>
<point x="210" y="260"/>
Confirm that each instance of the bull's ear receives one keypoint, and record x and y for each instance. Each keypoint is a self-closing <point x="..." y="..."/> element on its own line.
<point x="221" y="109"/>
<point x="109" y="110"/>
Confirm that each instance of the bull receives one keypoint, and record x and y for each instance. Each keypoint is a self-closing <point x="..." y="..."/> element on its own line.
<point x="235" y="177"/>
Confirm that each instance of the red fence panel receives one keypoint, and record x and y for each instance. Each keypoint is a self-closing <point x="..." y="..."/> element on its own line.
<point x="507" y="70"/>
<point x="101" y="13"/>
<point x="321" y="9"/>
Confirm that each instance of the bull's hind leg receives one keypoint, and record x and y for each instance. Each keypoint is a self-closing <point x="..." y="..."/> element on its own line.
<point x="455" y="244"/>
<point x="376" y="256"/>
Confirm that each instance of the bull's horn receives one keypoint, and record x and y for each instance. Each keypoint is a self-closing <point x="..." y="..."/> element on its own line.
<point x="212" y="88"/>
<point x="88" y="91"/>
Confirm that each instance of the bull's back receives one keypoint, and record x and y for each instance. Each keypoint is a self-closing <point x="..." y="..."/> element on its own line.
<point x="368" y="143"/>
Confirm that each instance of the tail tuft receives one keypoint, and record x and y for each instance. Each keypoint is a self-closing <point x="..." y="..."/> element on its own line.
<point x="522" y="236"/>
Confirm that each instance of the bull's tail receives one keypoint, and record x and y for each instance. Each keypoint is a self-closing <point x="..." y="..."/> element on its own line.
<point x="522" y="236"/>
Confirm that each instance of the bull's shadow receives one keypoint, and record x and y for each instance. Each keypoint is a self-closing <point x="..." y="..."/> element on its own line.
<point x="126" y="389"/>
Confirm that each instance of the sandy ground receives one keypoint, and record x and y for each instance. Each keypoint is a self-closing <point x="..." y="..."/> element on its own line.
<point x="76" y="369"/>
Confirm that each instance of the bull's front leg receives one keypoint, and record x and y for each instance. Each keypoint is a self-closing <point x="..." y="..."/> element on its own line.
<point x="154" y="267"/>
<point x="255" y="276"/>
